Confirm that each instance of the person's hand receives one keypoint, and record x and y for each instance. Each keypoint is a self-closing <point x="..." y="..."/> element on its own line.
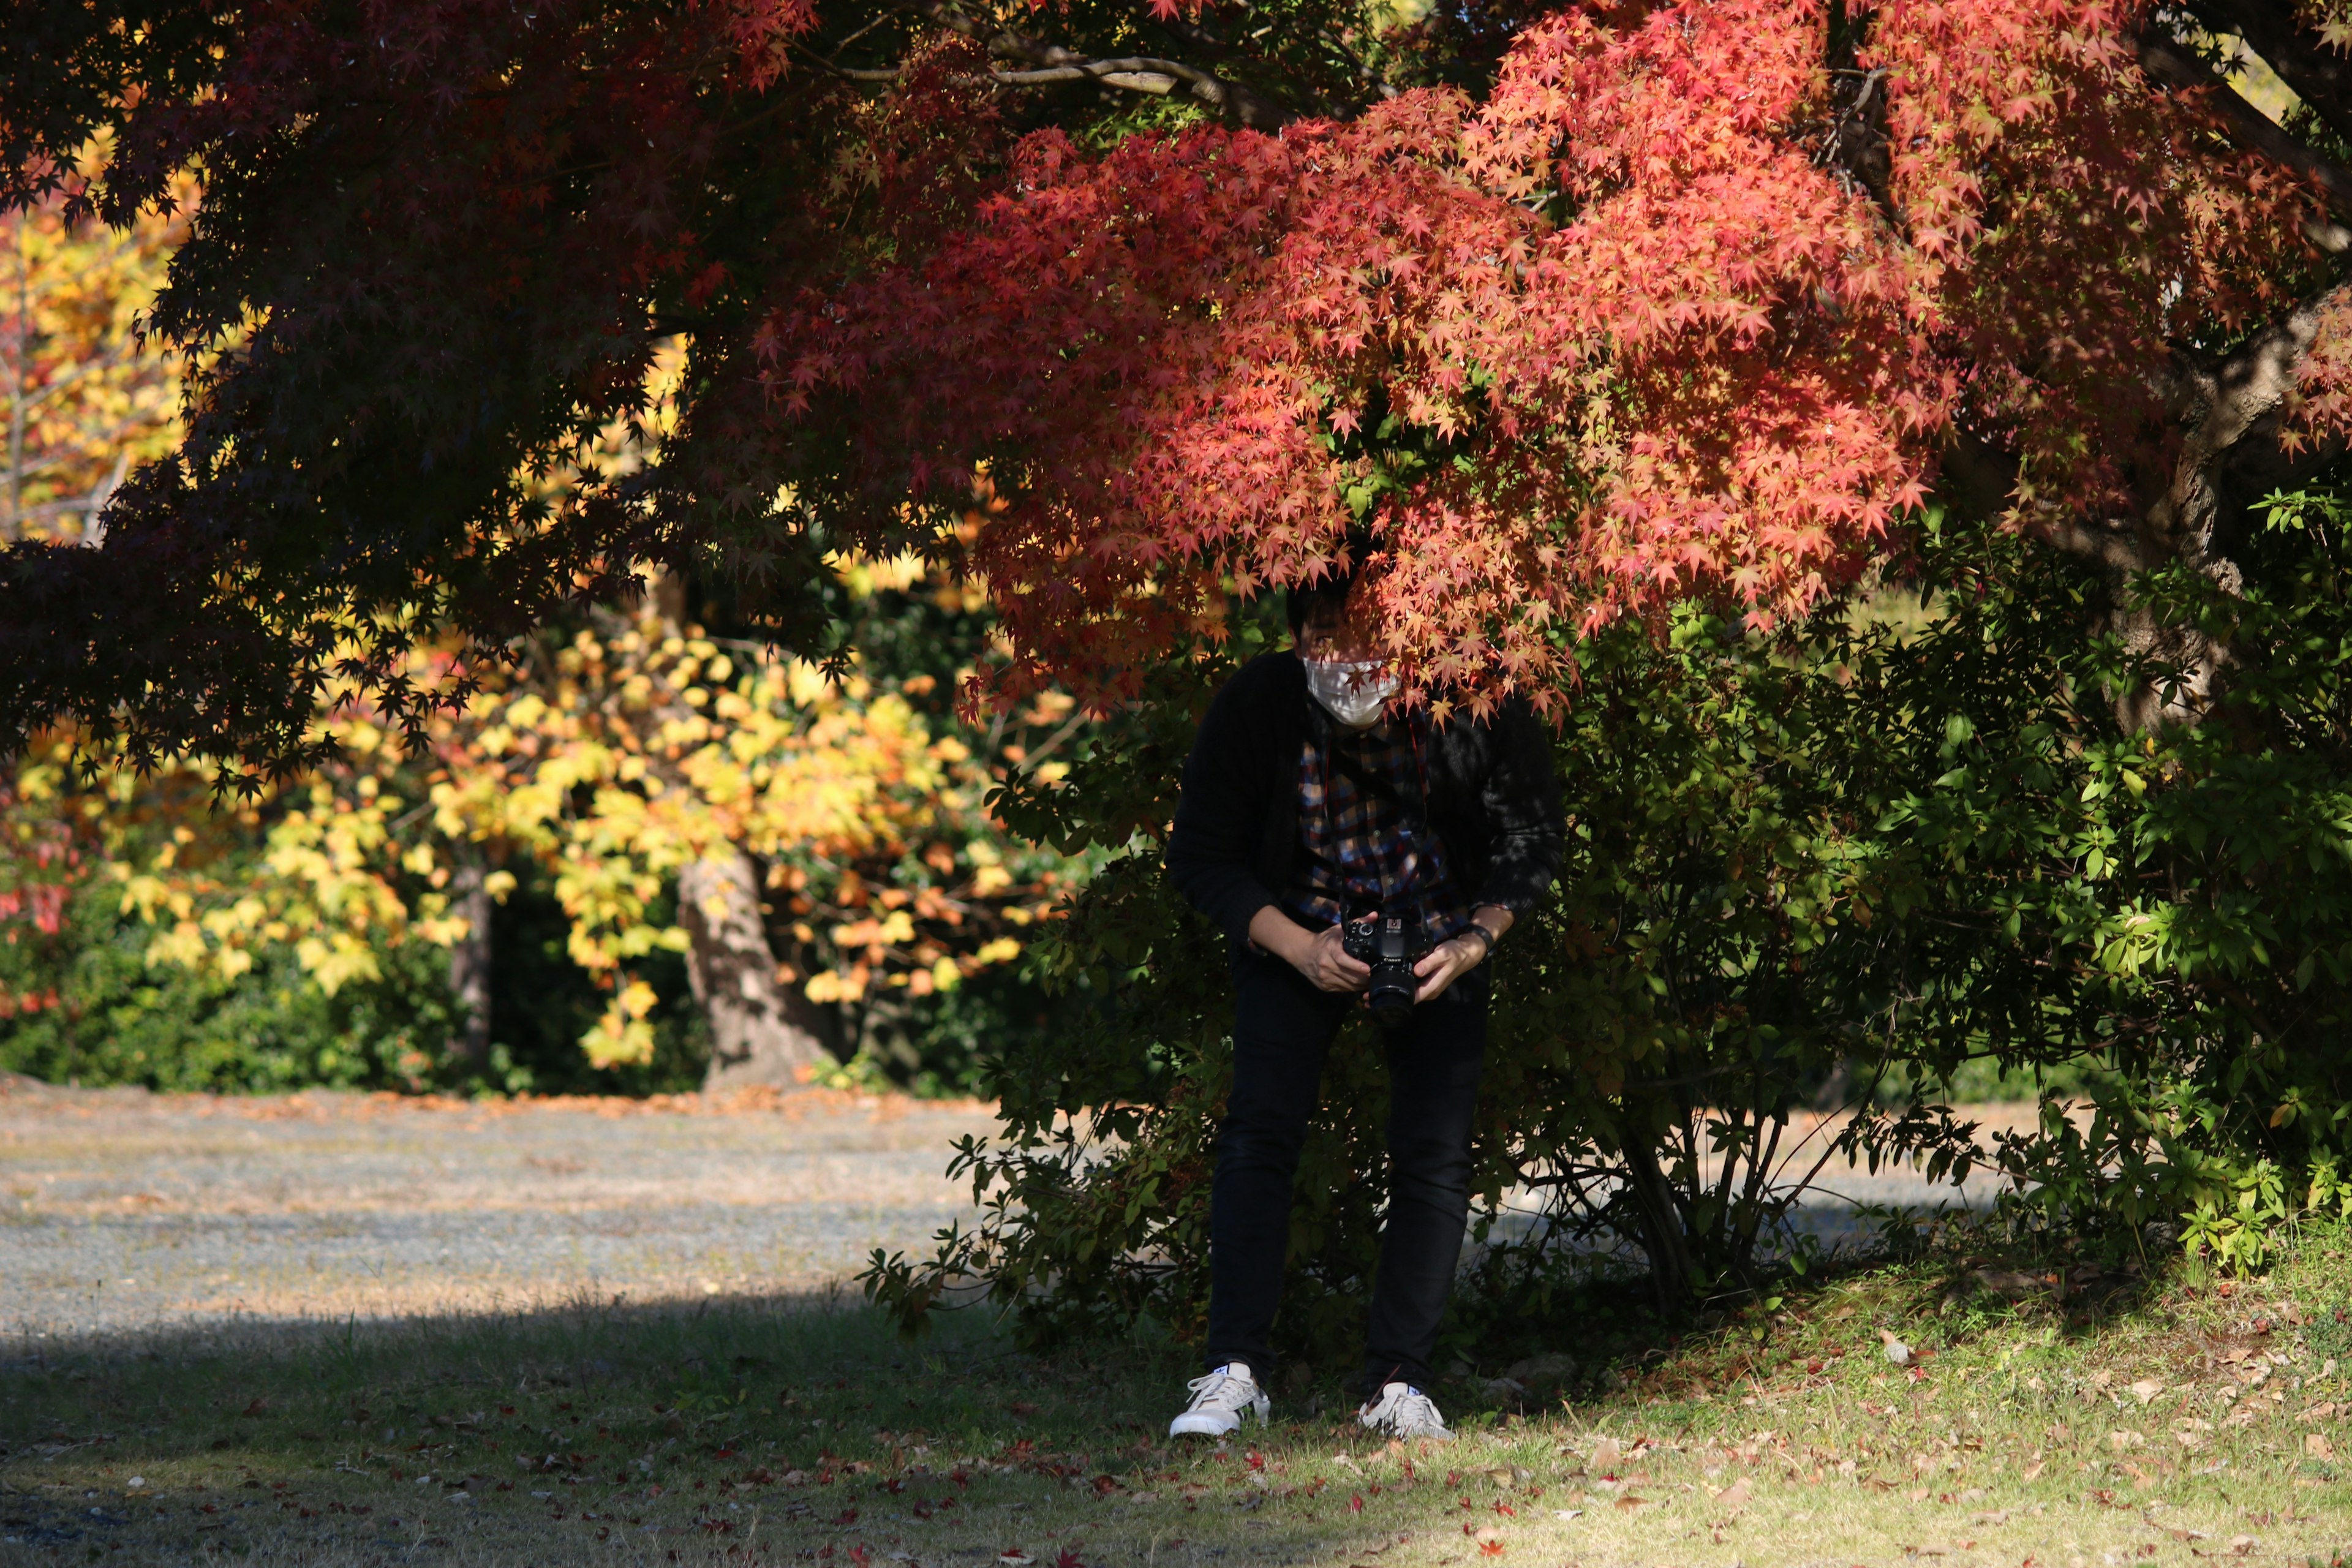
<point x="1315" y="954"/>
<point x="1446" y="962"/>
<point x="1449" y="961"/>
<point x="1325" y="961"/>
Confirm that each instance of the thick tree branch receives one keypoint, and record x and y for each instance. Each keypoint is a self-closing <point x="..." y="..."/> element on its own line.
<point x="2219" y="405"/>
<point x="1857" y="143"/>
<point x="1052" y="63"/>
<point x="2222" y="406"/>
<point x="1137" y="73"/>
<point x="2167" y="62"/>
<point x="2319" y="74"/>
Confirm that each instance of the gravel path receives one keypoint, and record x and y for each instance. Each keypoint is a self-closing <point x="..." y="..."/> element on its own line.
<point x="121" y="1210"/>
<point x="125" y="1210"/>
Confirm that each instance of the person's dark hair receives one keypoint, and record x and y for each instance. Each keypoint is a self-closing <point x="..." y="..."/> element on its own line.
<point x="1332" y="589"/>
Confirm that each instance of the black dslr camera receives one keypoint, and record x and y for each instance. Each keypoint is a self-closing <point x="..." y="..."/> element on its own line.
<point x="1392" y="945"/>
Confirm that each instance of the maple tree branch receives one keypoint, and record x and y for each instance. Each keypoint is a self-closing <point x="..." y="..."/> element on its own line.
<point x="1053" y="63"/>
<point x="1857" y="143"/>
<point x="2219" y="405"/>
<point x="2170" y="65"/>
<point x="1138" y="73"/>
<point x="2319" y="74"/>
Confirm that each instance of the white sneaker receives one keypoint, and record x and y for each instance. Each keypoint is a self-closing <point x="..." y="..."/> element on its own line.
<point x="1404" y="1411"/>
<point x="1218" y="1401"/>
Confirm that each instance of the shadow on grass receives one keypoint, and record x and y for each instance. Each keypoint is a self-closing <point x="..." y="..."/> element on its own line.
<point x="727" y="1396"/>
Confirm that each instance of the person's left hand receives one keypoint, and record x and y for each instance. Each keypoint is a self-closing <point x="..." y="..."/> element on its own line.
<point x="1446" y="962"/>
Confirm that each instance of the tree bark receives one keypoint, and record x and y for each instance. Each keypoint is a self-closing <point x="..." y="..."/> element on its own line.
<point x="1665" y="1235"/>
<point x="469" y="963"/>
<point x="2229" y="415"/>
<point x="2320" y="76"/>
<point x="762" y="1030"/>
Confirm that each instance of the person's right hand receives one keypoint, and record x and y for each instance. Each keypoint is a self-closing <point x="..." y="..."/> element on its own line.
<point x="1323" y="961"/>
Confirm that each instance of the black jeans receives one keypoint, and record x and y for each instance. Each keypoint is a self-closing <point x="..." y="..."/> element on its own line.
<point x="1283" y="1028"/>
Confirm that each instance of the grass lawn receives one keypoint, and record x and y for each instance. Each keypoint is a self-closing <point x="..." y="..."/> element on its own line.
<point x="2184" y="1424"/>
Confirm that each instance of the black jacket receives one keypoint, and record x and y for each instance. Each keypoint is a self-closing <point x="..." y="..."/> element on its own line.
<point x="1492" y="799"/>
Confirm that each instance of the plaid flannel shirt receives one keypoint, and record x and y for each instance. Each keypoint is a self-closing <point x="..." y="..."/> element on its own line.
<point x="1363" y="832"/>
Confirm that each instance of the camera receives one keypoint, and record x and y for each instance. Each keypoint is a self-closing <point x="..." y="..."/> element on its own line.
<point x="1392" y="945"/>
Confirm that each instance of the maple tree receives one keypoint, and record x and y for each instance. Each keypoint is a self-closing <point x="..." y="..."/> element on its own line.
<point x="1574" y="311"/>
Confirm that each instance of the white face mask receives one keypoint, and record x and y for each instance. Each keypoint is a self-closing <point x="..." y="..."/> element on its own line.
<point x="1355" y="692"/>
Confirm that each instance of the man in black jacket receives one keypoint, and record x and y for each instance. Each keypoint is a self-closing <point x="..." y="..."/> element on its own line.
<point x="1310" y="799"/>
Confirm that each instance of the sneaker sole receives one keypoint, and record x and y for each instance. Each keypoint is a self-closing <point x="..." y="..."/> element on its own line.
<point x="1200" y="1427"/>
<point x="1405" y="1437"/>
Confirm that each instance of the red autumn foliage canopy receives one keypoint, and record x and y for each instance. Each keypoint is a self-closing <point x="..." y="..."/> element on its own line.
<point x="1638" y="333"/>
<point x="1688" y="296"/>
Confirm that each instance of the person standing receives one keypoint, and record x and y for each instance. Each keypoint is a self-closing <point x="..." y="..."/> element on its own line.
<point x="1309" y="799"/>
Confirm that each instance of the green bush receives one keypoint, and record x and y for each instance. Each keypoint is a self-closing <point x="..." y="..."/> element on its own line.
<point x="1869" y="854"/>
<point x="106" y="1016"/>
<point x="116" y="1019"/>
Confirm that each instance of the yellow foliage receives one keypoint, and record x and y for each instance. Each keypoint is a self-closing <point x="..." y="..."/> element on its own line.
<point x="90" y="396"/>
<point x="613" y="761"/>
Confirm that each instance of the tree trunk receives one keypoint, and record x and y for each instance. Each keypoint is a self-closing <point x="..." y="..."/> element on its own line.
<point x="762" y="1031"/>
<point x="2230" y="414"/>
<point x="469" y="963"/>
<point x="1673" y="1269"/>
